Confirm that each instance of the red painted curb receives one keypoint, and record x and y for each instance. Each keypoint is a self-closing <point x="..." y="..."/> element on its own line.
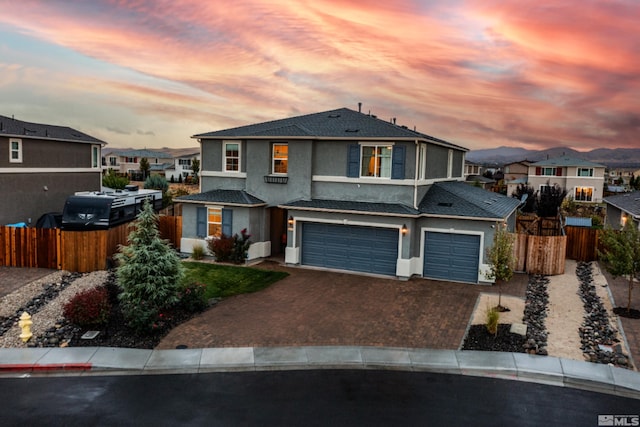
<point x="48" y="367"/>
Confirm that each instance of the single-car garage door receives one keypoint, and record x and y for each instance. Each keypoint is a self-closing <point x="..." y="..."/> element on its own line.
<point x="348" y="247"/>
<point x="450" y="256"/>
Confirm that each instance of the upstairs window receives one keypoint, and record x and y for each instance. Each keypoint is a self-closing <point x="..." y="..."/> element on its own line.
<point x="232" y="157"/>
<point x="130" y="160"/>
<point x="280" y="159"/>
<point x="95" y="156"/>
<point x="376" y="161"/>
<point x="15" y="151"/>
<point x="113" y="161"/>
<point x="585" y="171"/>
<point x="184" y="162"/>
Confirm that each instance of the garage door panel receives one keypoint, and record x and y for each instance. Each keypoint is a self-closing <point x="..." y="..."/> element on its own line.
<point x="451" y="256"/>
<point x="356" y="248"/>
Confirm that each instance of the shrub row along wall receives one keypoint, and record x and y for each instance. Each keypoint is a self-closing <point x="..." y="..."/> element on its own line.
<point x="76" y="251"/>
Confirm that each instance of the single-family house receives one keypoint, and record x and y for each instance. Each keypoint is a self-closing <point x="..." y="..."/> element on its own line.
<point x="181" y="167"/>
<point x="128" y="161"/>
<point x="622" y="208"/>
<point x="516" y="173"/>
<point x="344" y="190"/>
<point x="41" y="165"/>
<point x="584" y="180"/>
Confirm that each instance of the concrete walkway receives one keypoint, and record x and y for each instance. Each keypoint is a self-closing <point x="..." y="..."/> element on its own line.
<point x="512" y="366"/>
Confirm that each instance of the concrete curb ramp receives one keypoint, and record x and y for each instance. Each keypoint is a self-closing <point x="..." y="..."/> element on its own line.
<point x="513" y="366"/>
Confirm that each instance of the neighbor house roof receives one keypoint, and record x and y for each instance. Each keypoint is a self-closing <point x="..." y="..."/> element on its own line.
<point x="458" y="199"/>
<point x="227" y="197"/>
<point x="142" y="153"/>
<point x="628" y="202"/>
<point x="17" y="128"/>
<point x="395" y="209"/>
<point x="342" y="123"/>
<point x="567" y="161"/>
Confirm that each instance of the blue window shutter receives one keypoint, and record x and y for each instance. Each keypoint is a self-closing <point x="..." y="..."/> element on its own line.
<point x="397" y="162"/>
<point x="201" y="222"/>
<point x="353" y="161"/>
<point x="227" y="222"/>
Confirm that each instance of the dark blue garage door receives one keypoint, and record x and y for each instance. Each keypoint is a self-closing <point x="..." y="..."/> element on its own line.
<point x="347" y="247"/>
<point x="451" y="256"/>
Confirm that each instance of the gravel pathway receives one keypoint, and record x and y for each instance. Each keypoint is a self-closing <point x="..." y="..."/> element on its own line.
<point x="50" y="314"/>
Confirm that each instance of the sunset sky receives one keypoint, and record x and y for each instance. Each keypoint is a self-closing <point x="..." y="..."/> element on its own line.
<point x="481" y="74"/>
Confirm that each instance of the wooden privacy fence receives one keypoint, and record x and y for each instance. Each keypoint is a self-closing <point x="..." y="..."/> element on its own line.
<point x="79" y="251"/>
<point x="540" y="254"/>
<point x="582" y="243"/>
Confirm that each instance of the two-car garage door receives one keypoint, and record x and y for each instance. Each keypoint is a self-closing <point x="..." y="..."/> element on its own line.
<point x="450" y="256"/>
<point x="349" y="247"/>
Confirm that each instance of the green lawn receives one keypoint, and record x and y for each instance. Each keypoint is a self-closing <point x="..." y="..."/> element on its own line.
<point x="225" y="280"/>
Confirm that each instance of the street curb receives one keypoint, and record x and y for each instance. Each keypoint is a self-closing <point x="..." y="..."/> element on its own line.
<point x="511" y="366"/>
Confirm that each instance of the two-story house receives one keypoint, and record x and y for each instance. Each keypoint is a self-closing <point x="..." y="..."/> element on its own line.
<point x="516" y="173"/>
<point x="584" y="180"/>
<point x="41" y="165"/>
<point x="181" y="166"/>
<point x="344" y="190"/>
<point x="128" y="161"/>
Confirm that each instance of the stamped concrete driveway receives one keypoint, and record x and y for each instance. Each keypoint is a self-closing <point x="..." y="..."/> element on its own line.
<point x="312" y="307"/>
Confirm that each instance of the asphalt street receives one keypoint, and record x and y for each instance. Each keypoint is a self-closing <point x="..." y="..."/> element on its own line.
<point x="297" y="398"/>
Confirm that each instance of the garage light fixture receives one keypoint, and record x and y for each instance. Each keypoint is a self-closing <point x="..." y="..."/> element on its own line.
<point x="290" y="221"/>
<point x="404" y="229"/>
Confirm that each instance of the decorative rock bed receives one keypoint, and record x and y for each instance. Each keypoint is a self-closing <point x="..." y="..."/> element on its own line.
<point x="535" y="313"/>
<point x="600" y="343"/>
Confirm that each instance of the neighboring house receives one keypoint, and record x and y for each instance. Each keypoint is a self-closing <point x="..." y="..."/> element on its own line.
<point x="128" y="161"/>
<point x="622" y="208"/>
<point x="472" y="169"/>
<point x="344" y="190"/>
<point x="516" y="173"/>
<point x="41" y="165"/>
<point x="181" y="167"/>
<point x="620" y="176"/>
<point x="584" y="180"/>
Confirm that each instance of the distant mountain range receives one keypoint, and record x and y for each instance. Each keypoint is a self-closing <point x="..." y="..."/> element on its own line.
<point x="611" y="157"/>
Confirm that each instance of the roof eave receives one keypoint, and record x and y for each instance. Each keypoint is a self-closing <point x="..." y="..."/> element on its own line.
<point x="210" y="202"/>
<point x="347" y="211"/>
<point x="48" y="138"/>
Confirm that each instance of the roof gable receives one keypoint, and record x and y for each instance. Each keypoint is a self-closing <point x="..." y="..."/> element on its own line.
<point x="340" y="123"/>
<point x="17" y="128"/>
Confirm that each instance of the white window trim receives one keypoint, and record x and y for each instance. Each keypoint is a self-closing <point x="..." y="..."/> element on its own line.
<point x="209" y="222"/>
<point x="11" y="151"/>
<point x="273" y="158"/>
<point x="95" y="157"/>
<point x="422" y="162"/>
<point x="585" y="176"/>
<point x="224" y="156"/>
<point x="593" y="191"/>
<point x="376" y="145"/>
<point x="449" y="163"/>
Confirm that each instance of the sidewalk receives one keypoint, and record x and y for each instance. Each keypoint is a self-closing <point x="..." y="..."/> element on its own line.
<point x="511" y="366"/>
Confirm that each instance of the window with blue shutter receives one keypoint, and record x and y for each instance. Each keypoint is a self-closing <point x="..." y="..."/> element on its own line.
<point x="201" y="222"/>
<point x="353" y="161"/>
<point x="227" y="222"/>
<point x="397" y="162"/>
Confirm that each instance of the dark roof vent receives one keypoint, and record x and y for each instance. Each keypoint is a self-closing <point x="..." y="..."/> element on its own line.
<point x="334" y="116"/>
<point x="352" y="130"/>
<point x="445" y="204"/>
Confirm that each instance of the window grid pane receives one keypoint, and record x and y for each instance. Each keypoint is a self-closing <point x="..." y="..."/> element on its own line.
<point x="280" y="158"/>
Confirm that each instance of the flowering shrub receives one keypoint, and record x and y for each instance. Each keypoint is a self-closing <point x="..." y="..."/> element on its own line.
<point x="192" y="297"/>
<point x="241" y="245"/>
<point x="88" y="308"/>
<point x="221" y="247"/>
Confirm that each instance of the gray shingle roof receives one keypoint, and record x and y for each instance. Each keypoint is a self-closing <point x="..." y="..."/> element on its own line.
<point x="346" y="205"/>
<point x="227" y="197"/>
<point x="18" y="128"/>
<point x="340" y="123"/>
<point x="628" y="202"/>
<point x="460" y="199"/>
<point x="567" y="161"/>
